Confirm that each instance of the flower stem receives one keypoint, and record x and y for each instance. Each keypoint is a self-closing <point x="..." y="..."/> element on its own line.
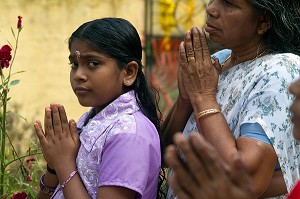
<point x="3" y="136"/>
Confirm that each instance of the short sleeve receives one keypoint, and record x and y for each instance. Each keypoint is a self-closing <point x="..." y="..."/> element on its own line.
<point x="125" y="162"/>
<point x="269" y="105"/>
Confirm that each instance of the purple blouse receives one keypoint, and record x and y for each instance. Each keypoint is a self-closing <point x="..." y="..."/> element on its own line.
<point x="120" y="146"/>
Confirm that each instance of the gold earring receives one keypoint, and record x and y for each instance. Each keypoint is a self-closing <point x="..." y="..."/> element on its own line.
<point x="260" y="31"/>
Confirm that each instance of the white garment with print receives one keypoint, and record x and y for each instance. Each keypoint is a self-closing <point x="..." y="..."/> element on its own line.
<point x="257" y="92"/>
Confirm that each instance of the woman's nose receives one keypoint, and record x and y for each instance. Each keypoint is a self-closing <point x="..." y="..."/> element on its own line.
<point x="212" y="8"/>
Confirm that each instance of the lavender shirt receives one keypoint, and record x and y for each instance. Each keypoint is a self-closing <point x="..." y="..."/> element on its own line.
<point x="119" y="147"/>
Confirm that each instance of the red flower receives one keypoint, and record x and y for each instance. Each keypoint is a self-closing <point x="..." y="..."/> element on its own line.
<point x="31" y="159"/>
<point x="19" y="25"/>
<point x="5" y="56"/>
<point x="21" y="195"/>
<point x="28" y="178"/>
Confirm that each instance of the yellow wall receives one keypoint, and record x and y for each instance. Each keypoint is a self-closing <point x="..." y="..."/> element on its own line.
<point x="43" y="51"/>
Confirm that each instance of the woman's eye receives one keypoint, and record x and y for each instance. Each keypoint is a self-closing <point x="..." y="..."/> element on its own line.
<point x="228" y="2"/>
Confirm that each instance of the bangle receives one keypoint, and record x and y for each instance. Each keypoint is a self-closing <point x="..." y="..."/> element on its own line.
<point x="52" y="171"/>
<point x="207" y="112"/>
<point x="68" y="179"/>
<point x="46" y="190"/>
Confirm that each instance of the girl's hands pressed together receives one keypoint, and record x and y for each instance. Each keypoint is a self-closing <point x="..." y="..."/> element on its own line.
<point x="59" y="141"/>
<point x="200" y="74"/>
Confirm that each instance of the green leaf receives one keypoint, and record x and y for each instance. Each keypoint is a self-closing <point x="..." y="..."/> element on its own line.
<point x="14" y="82"/>
<point x="12" y="30"/>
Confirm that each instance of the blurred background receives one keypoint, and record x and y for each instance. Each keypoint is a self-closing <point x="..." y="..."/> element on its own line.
<point x="43" y="53"/>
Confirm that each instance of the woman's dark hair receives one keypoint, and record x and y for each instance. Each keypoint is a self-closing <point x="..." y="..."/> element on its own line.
<point x="118" y="39"/>
<point x="284" y="33"/>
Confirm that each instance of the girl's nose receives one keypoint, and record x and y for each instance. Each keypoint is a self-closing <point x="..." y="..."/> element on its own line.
<point x="80" y="74"/>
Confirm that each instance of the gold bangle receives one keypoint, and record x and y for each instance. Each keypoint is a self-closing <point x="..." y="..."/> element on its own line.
<point x="207" y="112"/>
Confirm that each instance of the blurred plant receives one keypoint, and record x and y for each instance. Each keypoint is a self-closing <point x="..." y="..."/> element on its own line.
<point x="16" y="171"/>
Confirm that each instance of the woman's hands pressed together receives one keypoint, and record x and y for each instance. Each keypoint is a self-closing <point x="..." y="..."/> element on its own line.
<point x="59" y="139"/>
<point x="199" y="72"/>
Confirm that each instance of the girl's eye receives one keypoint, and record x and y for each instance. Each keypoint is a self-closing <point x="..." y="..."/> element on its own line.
<point x="73" y="65"/>
<point x="93" y="64"/>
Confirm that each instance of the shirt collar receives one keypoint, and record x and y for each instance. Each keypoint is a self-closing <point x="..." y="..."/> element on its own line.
<point x="104" y="120"/>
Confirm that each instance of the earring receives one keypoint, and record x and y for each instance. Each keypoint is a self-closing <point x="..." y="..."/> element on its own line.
<point x="260" y="31"/>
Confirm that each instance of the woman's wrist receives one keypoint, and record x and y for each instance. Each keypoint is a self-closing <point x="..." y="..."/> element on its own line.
<point x="202" y="103"/>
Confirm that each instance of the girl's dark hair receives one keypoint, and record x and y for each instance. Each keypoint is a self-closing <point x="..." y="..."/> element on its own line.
<point x="284" y="33"/>
<point x="118" y="39"/>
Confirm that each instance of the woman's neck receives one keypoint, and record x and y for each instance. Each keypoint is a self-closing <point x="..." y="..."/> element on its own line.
<point x="239" y="56"/>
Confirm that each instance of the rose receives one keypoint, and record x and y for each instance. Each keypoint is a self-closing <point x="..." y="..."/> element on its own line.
<point x="21" y="195"/>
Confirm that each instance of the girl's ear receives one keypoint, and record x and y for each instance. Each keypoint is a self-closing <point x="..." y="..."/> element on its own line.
<point x="131" y="70"/>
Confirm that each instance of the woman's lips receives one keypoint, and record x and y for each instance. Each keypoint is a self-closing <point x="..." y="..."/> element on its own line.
<point x="210" y="28"/>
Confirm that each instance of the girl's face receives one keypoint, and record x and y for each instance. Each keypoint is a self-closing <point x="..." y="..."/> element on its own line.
<point x="232" y="23"/>
<point x="95" y="78"/>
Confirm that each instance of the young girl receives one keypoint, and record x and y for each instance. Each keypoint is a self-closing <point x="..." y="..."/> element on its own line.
<point x="117" y="153"/>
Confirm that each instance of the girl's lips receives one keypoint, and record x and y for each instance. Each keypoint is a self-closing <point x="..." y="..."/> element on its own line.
<point x="81" y="90"/>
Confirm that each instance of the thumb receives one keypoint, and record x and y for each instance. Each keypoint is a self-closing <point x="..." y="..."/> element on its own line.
<point x="240" y="176"/>
<point x="216" y="63"/>
<point x="74" y="132"/>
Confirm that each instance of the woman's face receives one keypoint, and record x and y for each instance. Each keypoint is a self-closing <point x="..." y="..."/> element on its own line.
<point x="95" y="78"/>
<point x="232" y="23"/>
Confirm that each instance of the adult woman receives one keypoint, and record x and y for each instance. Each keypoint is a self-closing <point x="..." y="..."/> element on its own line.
<point x="241" y="106"/>
<point x="189" y="182"/>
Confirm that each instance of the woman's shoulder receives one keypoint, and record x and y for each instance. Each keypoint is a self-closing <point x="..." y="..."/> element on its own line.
<point x="288" y="62"/>
<point x="221" y="55"/>
<point x="285" y="58"/>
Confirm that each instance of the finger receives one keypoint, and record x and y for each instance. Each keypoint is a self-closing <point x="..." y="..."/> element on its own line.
<point x="48" y="125"/>
<point x="240" y="176"/>
<point x="189" y="46"/>
<point x="210" y="159"/>
<point x="193" y="162"/>
<point x="295" y="109"/>
<point x="56" y="120"/>
<point x="197" y="46"/>
<point x="216" y="64"/>
<point x="205" y="49"/>
<point x="182" y="54"/>
<point x="64" y="120"/>
<point x="180" y="193"/>
<point x="185" y="180"/>
<point x="40" y="134"/>
<point x="74" y="132"/>
<point x="294" y="88"/>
